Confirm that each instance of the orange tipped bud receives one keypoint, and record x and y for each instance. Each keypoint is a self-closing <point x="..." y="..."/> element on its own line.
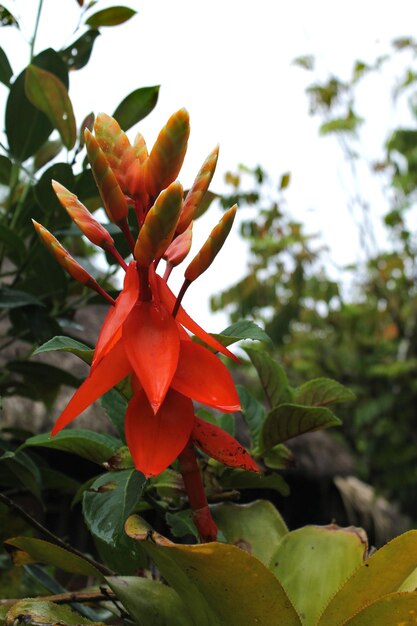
<point x="158" y="228"/>
<point x="180" y="247"/>
<point x="62" y="256"/>
<point x="167" y="155"/>
<point x="197" y="192"/>
<point x="116" y="147"/>
<point x="140" y="149"/>
<point x="113" y="197"/>
<point x="212" y="246"/>
<point x="82" y="217"/>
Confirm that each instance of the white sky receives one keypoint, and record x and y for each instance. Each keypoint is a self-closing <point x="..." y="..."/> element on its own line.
<point x="229" y="62"/>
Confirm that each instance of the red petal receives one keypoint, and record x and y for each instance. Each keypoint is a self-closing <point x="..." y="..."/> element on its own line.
<point x="111" y="370"/>
<point x="117" y="314"/>
<point x="203" y="377"/>
<point x="155" y="440"/>
<point x="221" y="446"/>
<point x="169" y="300"/>
<point x="152" y="344"/>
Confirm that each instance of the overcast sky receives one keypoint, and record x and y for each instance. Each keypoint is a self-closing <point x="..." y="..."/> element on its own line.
<point x="229" y="62"/>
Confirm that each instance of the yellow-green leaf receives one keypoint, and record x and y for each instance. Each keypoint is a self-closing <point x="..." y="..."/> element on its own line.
<point x="48" y="94"/>
<point x="396" y="609"/>
<point x="44" y="613"/>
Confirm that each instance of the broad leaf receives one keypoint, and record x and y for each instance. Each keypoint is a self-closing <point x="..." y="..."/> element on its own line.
<point x="182" y="524"/>
<point x="218" y="583"/>
<point x="322" y="392"/>
<point x="279" y="457"/>
<point x="78" y="53"/>
<point x="272" y="376"/>
<point x="13" y="244"/>
<point x="149" y="602"/>
<point x="19" y="467"/>
<point x="95" y="447"/>
<point x="25" y="550"/>
<point x="6" y="71"/>
<point x="238" y="479"/>
<point x="253" y="413"/>
<point x="115" y="405"/>
<point x="48" y="94"/>
<point x="5" y="170"/>
<point x="245" y="329"/>
<point x="51" y="209"/>
<point x="46" y="613"/>
<point x="66" y="344"/>
<point x="290" y="420"/>
<point x="110" y="17"/>
<point x="136" y="106"/>
<point x="12" y="298"/>
<point x="256" y="527"/>
<point x="395" y="608"/>
<point x="43" y="374"/>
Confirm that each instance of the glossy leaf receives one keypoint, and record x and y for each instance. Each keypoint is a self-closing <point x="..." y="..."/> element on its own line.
<point x="256" y="527"/>
<point x="323" y="392"/>
<point x="319" y="559"/>
<point x="95" y="447"/>
<point x="244" y="329"/>
<point x="136" y="106"/>
<point x="78" y="53"/>
<point x="290" y="420"/>
<point x="48" y="94"/>
<point x="381" y="574"/>
<point x="25" y="550"/>
<point x="110" y="17"/>
<point x="115" y="405"/>
<point x="66" y="344"/>
<point x="398" y="609"/>
<point x="46" y="613"/>
<point x="219" y="584"/>
<point x="149" y="602"/>
<point x="272" y="376"/>
<point x="6" y="71"/>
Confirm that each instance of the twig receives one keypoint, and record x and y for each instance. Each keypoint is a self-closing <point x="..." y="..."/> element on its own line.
<point x="63" y="544"/>
<point x="69" y="597"/>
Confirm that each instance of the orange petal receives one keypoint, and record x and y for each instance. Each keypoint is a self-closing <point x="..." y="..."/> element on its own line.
<point x="168" y="298"/>
<point x="110" y="371"/>
<point x="152" y="344"/>
<point x="110" y="331"/>
<point x="221" y="446"/>
<point x="155" y="440"/>
<point x="203" y="377"/>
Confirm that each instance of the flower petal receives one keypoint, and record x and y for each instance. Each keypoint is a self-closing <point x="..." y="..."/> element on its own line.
<point x="111" y="370"/>
<point x="155" y="440"/>
<point x="221" y="446"/>
<point x="152" y="344"/>
<point x="168" y="298"/>
<point x="203" y="377"/>
<point x="117" y="314"/>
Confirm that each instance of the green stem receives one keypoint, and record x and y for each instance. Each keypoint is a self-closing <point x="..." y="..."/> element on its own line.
<point x="35" y="32"/>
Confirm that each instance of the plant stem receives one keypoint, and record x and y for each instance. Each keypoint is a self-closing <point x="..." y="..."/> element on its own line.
<point x="35" y="32"/>
<point x="69" y="597"/>
<point x="194" y="488"/>
<point x="63" y="544"/>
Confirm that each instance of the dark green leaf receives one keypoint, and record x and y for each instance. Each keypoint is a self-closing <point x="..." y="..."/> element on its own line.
<point x="115" y="406"/>
<point x="245" y="329"/>
<point x="253" y="412"/>
<point x="15" y="248"/>
<point x="279" y="457"/>
<point x="66" y="344"/>
<point x="238" y="479"/>
<point x="205" y="204"/>
<point x="27" y="128"/>
<point x="120" y="460"/>
<point x="136" y="106"/>
<point x="5" y="170"/>
<point x="48" y="94"/>
<point x="6" y="71"/>
<point x="289" y="420"/>
<point x="46" y="198"/>
<point x="12" y="298"/>
<point x="95" y="447"/>
<point x="43" y="373"/>
<point x="272" y="376"/>
<point x="22" y="469"/>
<point x="47" y="152"/>
<point x="78" y="53"/>
<point x="6" y="18"/>
<point x="227" y="422"/>
<point x="322" y="392"/>
<point x="182" y="524"/>
<point x="110" y="17"/>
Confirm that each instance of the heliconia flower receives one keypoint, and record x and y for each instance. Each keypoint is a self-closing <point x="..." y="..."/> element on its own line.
<point x="145" y="334"/>
<point x="197" y="192"/>
<point x="167" y="155"/>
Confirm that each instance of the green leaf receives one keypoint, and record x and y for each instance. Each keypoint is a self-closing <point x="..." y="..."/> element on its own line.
<point x="244" y="329"/>
<point x="95" y="447"/>
<point x="253" y="413"/>
<point x="78" y="53"/>
<point x="115" y="406"/>
<point x="279" y="457"/>
<point x="238" y="479"/>
<point x="150" y="603"/>
<point x="381" y="574"/>
<point x="43" y="374"/>
<point x="290" y="420"/>
<point x="14" y="245"/>
<point x="219" y="584"/>
<point x="22" y="469"/>
<point x="6" y="71"/>
<point x="110" y="17"/>
<point x="46" y="153"/>
<point x="12" y="298"/>
<point x="182" y="524"/>
<point x="395" y="608"/>
<point x="6" y="18"/>
<point x="25" y="550"/>
<point x="48" y="94"/>
<point x="61" y="343"/>
<point x="272" y="376"/>
<point x="27" y="128"/>
<point x="313" y="562"/>
<point x="5" y="170"/>
<point x="51" y="209"/>
<point x="45" y="613"/>
<point x="121" y="459"/>
<point x="108" y="503"/>
<point x="256" y="527"/>
<point x="136" y="106"/>
<point x="322" y="392"/>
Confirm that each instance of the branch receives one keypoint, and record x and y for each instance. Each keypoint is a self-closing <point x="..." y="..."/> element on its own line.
<point x="69" y="597"/>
